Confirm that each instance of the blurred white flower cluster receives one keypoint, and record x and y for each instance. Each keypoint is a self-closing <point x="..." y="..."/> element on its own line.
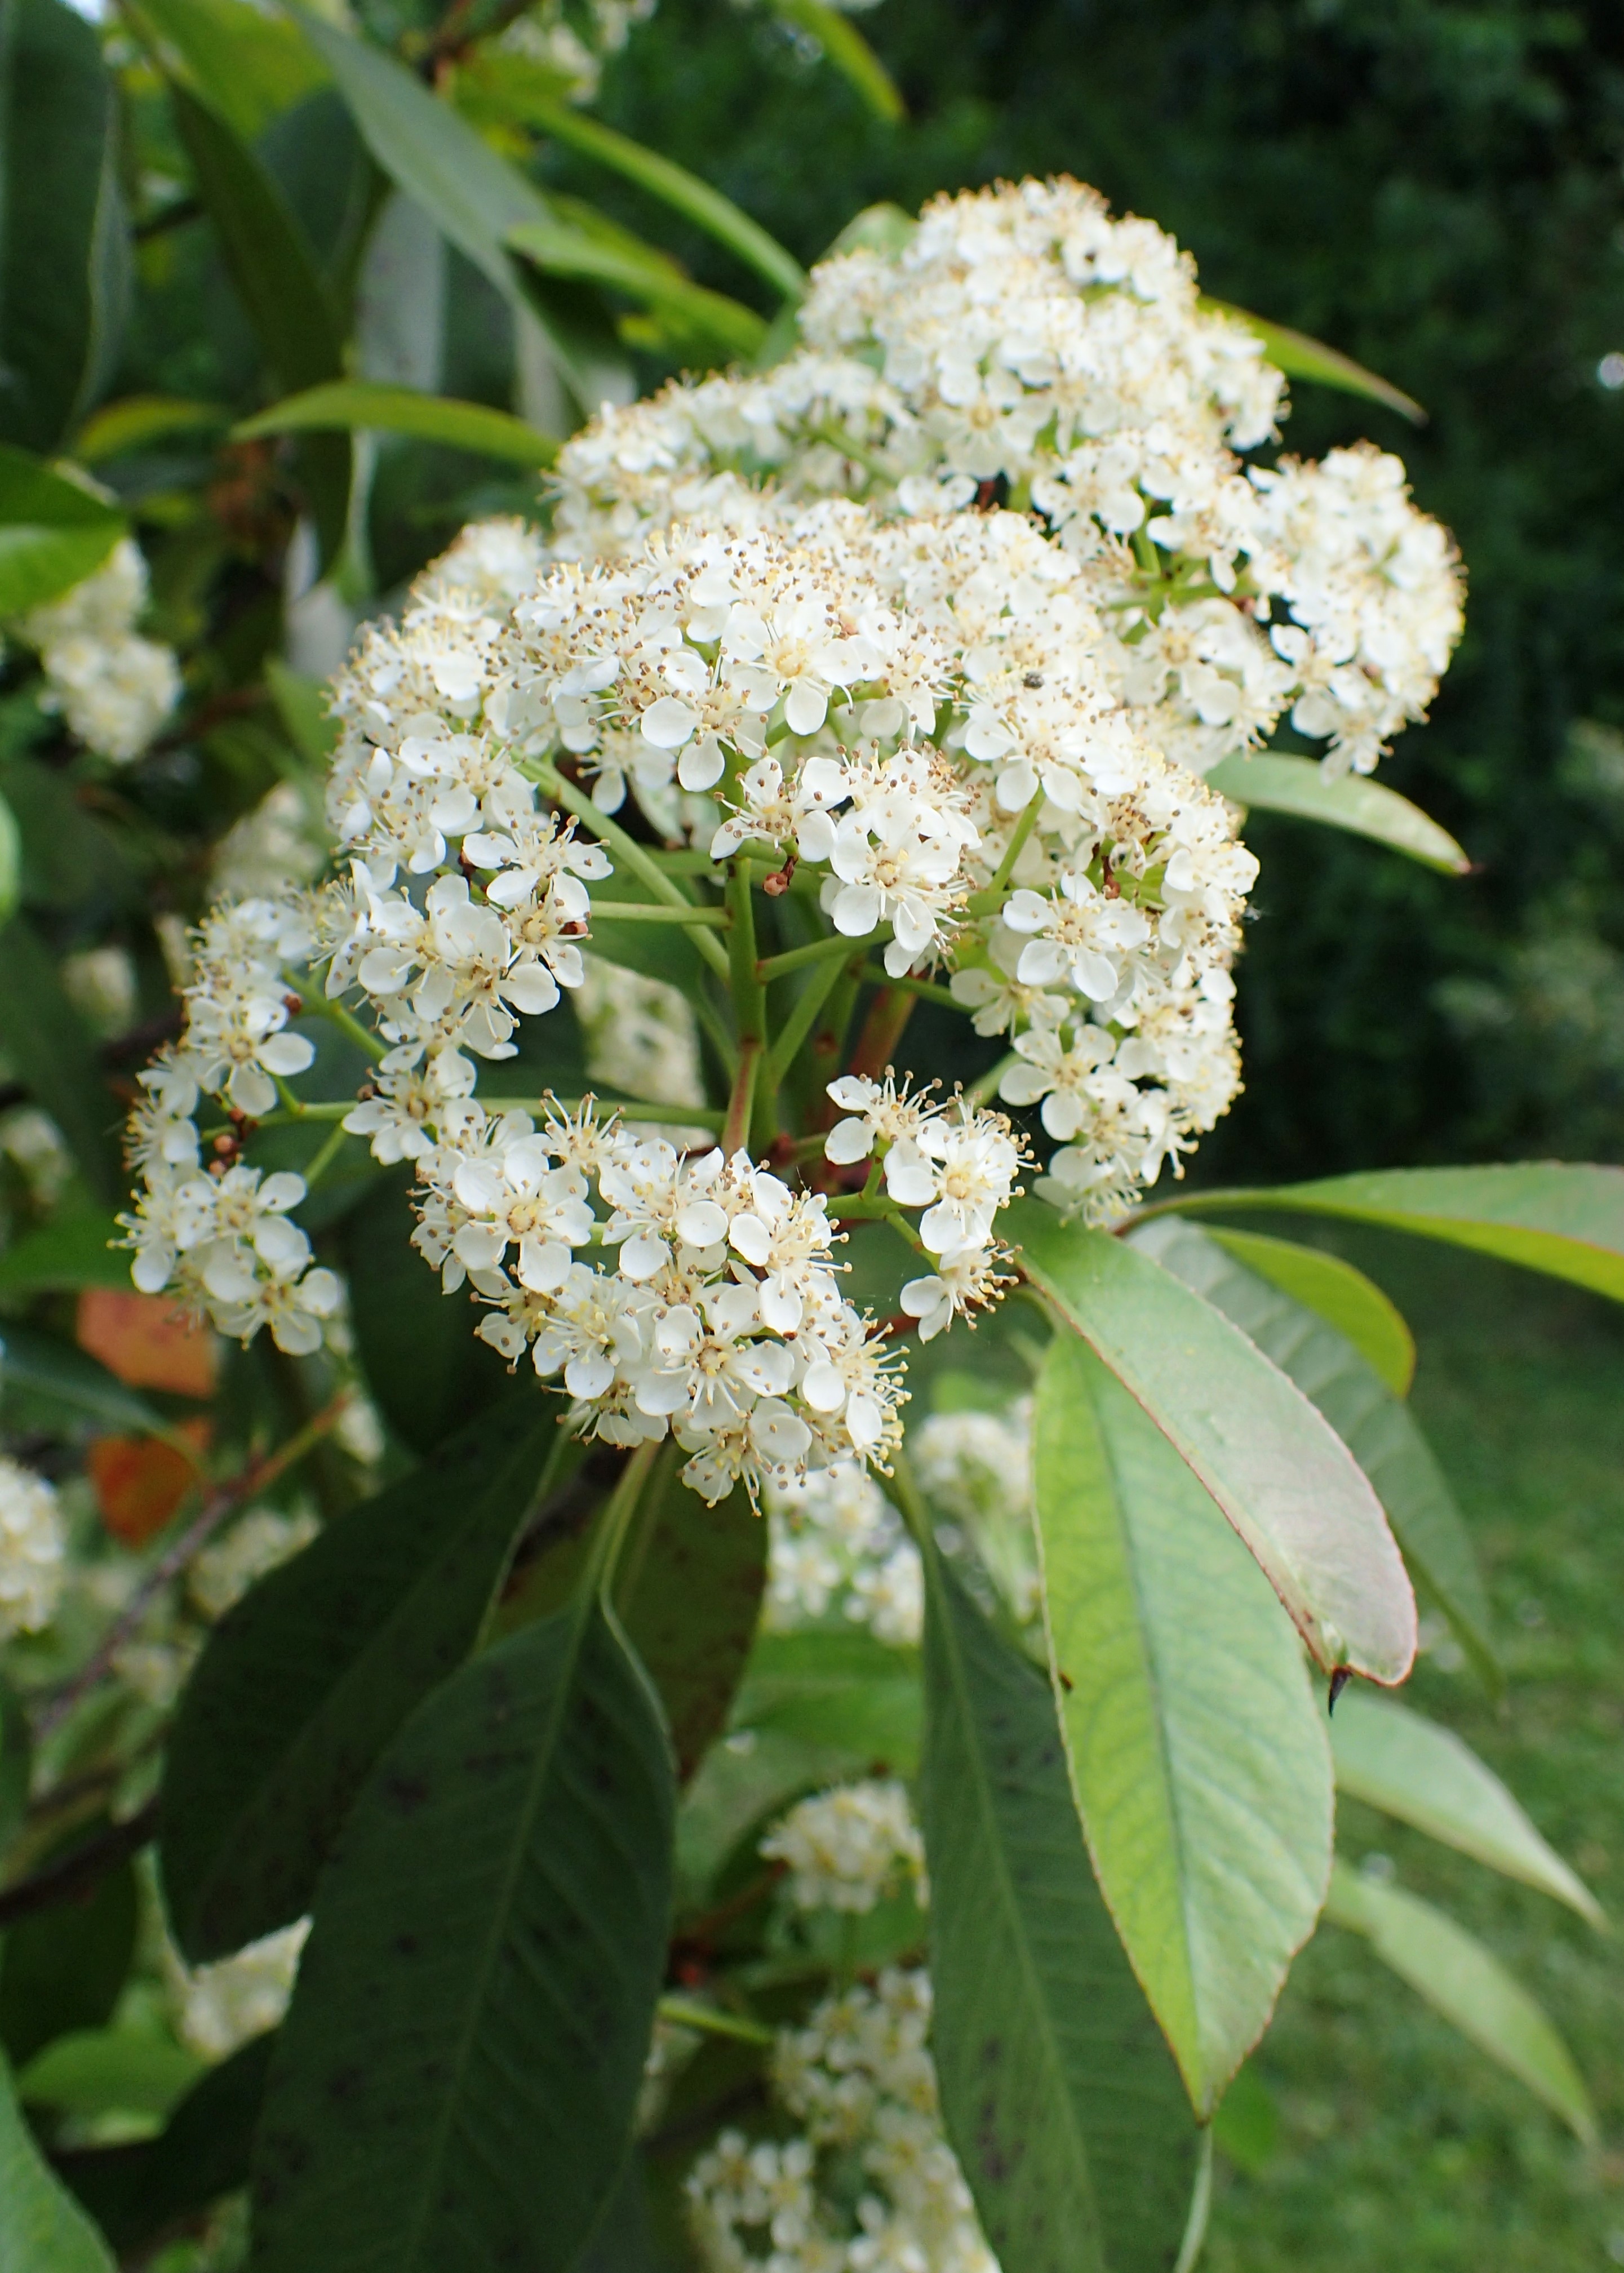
<point x="837" y="1543"/>
<point x="114" y="688"/>
<point x="1023" y="346"/>
<point x="221" y="2006"/>
<point x="857" y="2080"/>
<point x="976" y="1469"/>
<point x="32" y="1550"/>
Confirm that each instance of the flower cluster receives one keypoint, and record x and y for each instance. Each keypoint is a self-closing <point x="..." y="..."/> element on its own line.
<point x="835" y="1543"/>
<point x="1024" y="344"/>
<point x="221" y="2006"/>
<point x="976" y="1469"/>
<point x="845" y="1849"/>
<point x="114" y="688"/>
<point x="718" y="1317"/>
<point x="32" y="1549"/>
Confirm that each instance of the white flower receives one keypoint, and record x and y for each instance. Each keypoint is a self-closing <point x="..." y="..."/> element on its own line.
<point x="33" y="1546"/>
<point x="222" y="2005"/>
<point x="848" y="1848"/>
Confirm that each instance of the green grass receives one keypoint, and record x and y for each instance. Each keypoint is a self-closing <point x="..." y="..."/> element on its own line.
<point x="1401" y="2147"/>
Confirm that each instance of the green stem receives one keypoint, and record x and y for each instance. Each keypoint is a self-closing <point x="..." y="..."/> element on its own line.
<point x="989" y="902"/>
<point x="741" y="1104"/>
<point x="687" y="2013"/>
<point x="986" y="1086"/>
<point x="337" y="1137"/>
<point x="750" y="1007"/>
<point x="627" y="849"/>
<point x="819" y="950"/>
<point x="874" y="974"/>
<point x="616" y="1518"/>
<point x="799" y="1024"/>
<point x="642" y="912"/>
<point x="323" y="1006"/>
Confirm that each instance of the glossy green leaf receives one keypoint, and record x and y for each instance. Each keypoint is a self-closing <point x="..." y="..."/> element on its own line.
<point x="559" y="250"/>
<point x="62" y="1969"/>
<point x="696" y="200"/>
<point x="1301" y="786"/>
<point x="247" y="64"/>
<point x="282" y="288"/>
<point x="1378" y="1429"/>
<point x="360" y="405"/>
<point x="1059" y="2095"/>
<point x="53" y="534"/>
<point x="1299" y="356"/>
<point x="74" y="1250"/>
<point x="43" y="2229"/>
<point x="99" y="2071"/>
<point x="134" y="2191"/>
<point x="850" y="53"/>
<point x="688" y="1591"/>
<point x="11" y="863"/>
<point x="139" y="420"/>
<point x="1408" y="1766"/>
<point x="301" y="1686"/>
<point x="1274" y="1466"/>
<point x="1343" y="1296"/>
<point x="1197" y="1749"/>
<point x="72" y="1380"/>
<point x="1468" y="1984"/>
<point x="302" y="706"/>
<point x="1564" y="1218"/>
<point x="65" y="245"/>
<point x="473" y="196"/>
<point x="44" y="1037"/>
<point x="478" y="1989"/>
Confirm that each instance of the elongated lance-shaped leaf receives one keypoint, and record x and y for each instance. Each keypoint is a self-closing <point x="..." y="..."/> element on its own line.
<point x="1564" y="1218"/>
<point x="1468" y="1984"/>
<point x="301" y="1686"/>
<point x="363" y="405"/>
<point x="846" y="49"/>
<point x="457" y="2077"/>
<point x="64" y="239"/>
<point x="246" y="62"/>
<point x="139" y="420"/>
<point x="73" y="1381"/>
<point x="1196" y="1751"/>
<point x="473" y="196"/>
<point x="1299" y="356"/>
<point x="43" y="2229"/>
<point x="1366" y="809"/>
<point x="1276" y="1467"/>
<point x="1060" y="2096"/>
<point x="53" y="534"/>
<point x="1378" y="1429"/>
<point x="1343" y="1296"/>
<point x="1396" y="1759"/>
<point x="561" y="250"/>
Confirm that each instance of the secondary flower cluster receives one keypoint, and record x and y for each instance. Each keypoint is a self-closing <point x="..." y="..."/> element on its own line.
<point x="845" y="1849"/>
<point x="836" y="1544"/>
<point x="1023" y="344"/>
<point x="33" y="1546"/>
<point x="114" y="688"/>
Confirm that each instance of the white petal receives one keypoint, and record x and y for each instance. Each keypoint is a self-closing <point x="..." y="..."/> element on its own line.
<point x="669" y="723"/>
<point x="285" y="1054"/>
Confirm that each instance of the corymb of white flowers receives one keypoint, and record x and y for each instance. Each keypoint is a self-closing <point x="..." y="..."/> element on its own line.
<point x="1021" y="346"/>
<point x="878" y="751"/>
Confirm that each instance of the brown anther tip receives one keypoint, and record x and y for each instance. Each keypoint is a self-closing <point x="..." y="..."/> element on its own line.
<point x="292" y="1004"/>
<point x="366" y="1092"/>
<point x="225" y="1146"/>
<point x="216" y="1167"/>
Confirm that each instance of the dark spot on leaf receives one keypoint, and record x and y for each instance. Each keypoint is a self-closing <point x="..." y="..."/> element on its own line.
<point x="406" y="1793"/>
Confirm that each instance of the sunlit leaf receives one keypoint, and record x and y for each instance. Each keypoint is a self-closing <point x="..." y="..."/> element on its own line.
<point x="1408" y="1766"/>
<point x="1351" y="801"/>
<point x="53" y="534"/>
<point x="1274" y="1466"/>
<point x="97" y="2070"/>
<point x="1197" y="1750"/>
<point x="849" y="53"/>
<point x="248" y="63"/>
<point x="1468" y="1984"/>
<point x="1378" y="1429"/>
<point x="1302" y="358"/>
<point x="560" y="251"/>
<point x="361" y="405"/>
<point x="1343" y="1296"/>
<point x="43" y="2229"/>
<point x="141" y="419"/>
<point x="1057" y="2089"/>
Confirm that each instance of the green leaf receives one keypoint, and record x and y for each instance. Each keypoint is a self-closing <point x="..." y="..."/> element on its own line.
<point x="1274" y="1466"/>
<point x="99" y="2071"/>
<point x="1351" y="801"/>
<point x="1398" y="1760"/>
<point x="248" y="65"/>
<point x="1302" y="358"/>
<point x="72" y="1379"/>
<point x="672" y="184"/>
<point x="43" y="2229"/>
<point x="1377" y="1428"/>
<point x="836" y="1687"/>
<point x="53" y="534"/>
<point x="1196" y="1751"/>
<point x="70" y="1252"/>
<point x="52" y="1054"/>
<point x="63" y="1969"/>
<point x="425" y="1367"/>
<point x="280" y="287"/>
<point x="688" y="1592"/>
<point x="302" y="1685"/>
<point x="16" y="1764"/>
<point x="473" y="196"/>
<point x="361" y="405"/>
<point x="1343" y="1296"/>
<point x="477" y="1991"/>
<point x="559" y="250"/>
<point x="1468" y="1984"/>
<point x="1564" y="1218"/>
<point x="849" y="53"/>
<point x="135" y="2190"/>
<point x="1060" y="2098"/>
<point x="11" y="863"/>
<point x="65" y="240"/>
<point x="302" y="706"/>
<point x="141" y="419"/>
